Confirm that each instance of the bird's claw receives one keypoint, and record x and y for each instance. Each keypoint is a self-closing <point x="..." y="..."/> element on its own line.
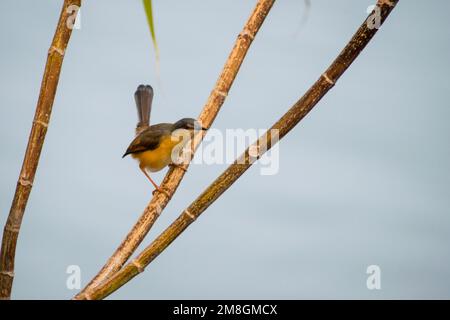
<point x="161" y="190"/>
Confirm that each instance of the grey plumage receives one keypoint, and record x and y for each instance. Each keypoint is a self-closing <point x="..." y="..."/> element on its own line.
<point x="144" y="98"/>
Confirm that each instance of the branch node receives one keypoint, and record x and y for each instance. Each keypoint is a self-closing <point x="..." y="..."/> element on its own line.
<point x="138" y="266"/>
<point x="42" y="123"/>
<point x="57" y="50"/>
<point x="25" y="182"/>
<point x="7" y="273"/>
<point x="190" y="215"/>
<point x="221" y="93"/>
<point x="247" y="33"/>
<point x="12" y="229"/>
<point x="328" y="79"/>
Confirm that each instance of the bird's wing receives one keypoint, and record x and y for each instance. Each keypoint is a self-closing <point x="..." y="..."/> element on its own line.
<point x="149" y="139"/>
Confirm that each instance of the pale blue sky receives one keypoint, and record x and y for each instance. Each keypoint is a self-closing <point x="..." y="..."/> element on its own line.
<point x="363" y="180"/>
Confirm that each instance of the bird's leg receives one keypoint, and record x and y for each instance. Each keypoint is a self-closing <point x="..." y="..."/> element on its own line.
<point x="148" y="177"/>
<point x="157" y="188"/>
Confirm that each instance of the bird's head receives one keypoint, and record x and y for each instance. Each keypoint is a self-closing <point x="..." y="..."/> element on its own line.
<point x="188" y="124"/>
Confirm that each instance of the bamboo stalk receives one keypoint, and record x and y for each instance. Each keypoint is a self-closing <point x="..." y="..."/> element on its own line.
<point x="35" y="142"/>
<point x="289" y="120"/>
<point x="175" y="174"/>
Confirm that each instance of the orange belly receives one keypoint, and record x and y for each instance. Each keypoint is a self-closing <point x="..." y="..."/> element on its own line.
<point x="157" y="159"/>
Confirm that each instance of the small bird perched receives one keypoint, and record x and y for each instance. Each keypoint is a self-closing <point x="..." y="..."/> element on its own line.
<point x="155" y="146"/>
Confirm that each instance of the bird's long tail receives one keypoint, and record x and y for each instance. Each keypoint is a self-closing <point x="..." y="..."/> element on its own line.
<point x="144" y="99"/>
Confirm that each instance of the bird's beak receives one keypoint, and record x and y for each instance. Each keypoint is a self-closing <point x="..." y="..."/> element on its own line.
<point x="125" y="154"/>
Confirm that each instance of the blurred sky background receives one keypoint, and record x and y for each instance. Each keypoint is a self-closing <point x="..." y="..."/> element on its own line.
<point x="363" y="180"/>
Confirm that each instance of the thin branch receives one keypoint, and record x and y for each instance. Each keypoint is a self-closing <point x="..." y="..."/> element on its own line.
<point x="175" y="174"/>
<point x="233" y="172"/>
<point x="36" y="140"/>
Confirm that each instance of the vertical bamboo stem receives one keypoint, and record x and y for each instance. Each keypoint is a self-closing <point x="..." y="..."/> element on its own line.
<point x="289" y="120"/>
<point x="175" y="174"/>
<point x="35" y="142"/>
